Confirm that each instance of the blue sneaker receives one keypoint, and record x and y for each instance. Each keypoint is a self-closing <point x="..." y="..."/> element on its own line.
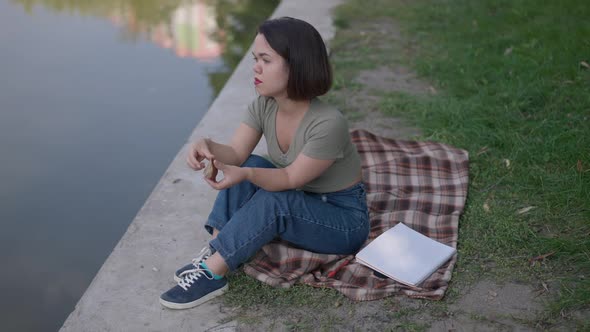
<point x="196" y="287"/>
<point x="203" y="255"/>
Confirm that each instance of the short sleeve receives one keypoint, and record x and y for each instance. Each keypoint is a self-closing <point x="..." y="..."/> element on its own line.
<point x="327" y="139"/>
<point x="254" y="115"/>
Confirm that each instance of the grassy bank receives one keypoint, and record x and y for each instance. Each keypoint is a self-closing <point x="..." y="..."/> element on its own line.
<point x="513" y="88"/>
<point x="510" y="84"/>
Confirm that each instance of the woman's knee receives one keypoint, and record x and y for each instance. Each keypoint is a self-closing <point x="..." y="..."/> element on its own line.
<point x="268" y="199"/>
<point x="257" y="161"/>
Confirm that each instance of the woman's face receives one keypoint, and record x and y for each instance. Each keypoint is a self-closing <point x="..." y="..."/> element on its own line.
<point x="271" y="72"/>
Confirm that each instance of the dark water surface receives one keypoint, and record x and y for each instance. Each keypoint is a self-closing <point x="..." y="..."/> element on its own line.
<point x="96" y="98"/>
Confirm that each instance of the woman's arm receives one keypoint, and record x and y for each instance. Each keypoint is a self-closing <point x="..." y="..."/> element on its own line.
<point x="242" y="144"/>
<point x="301" y="171"/>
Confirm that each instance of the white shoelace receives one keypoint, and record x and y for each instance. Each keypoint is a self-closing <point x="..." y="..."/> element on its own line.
<point x="190" y="276"/>
<point x="205" y="253"/>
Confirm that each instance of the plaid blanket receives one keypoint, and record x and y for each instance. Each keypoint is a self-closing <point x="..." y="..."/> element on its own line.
<point x="422" y="184"/>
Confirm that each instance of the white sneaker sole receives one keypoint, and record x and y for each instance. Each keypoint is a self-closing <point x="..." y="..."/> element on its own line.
<point x="200" y="301"/>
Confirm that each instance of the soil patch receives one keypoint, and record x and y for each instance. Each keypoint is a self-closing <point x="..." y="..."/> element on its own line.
<point x="365" y="101"/>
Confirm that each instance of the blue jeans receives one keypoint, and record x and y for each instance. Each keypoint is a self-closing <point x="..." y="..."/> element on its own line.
<point x="248" y="217"/>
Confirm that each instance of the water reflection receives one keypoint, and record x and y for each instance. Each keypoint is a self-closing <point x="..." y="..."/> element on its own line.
<point x="90" y="117"/>
<point x="148" y="12"/>
<point x="203" y="29"/>
<point x="189" y="29"/>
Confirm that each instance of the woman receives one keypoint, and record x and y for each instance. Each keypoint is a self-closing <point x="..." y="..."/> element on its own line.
<point x="311" y="193"/>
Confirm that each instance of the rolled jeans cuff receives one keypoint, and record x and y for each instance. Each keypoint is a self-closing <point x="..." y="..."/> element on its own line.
<point x="231" y="263"/>
<point x="213" y="224"/>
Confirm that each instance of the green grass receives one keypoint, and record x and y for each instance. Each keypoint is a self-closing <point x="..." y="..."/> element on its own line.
<point x="514" y="92"/>
<point x="285" y="308"/>
<point x="245" y="290"/>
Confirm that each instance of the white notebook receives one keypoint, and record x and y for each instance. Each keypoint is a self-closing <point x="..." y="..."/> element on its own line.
<point x="405" y="255"/>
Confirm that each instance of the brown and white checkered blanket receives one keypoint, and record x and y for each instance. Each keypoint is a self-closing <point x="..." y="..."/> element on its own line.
<point x="422" y="184"/>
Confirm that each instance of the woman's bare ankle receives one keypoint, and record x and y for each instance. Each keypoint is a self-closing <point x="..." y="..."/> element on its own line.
<point x="217" y="265"/>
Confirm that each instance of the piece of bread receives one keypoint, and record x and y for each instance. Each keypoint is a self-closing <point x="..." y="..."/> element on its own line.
<point x="210" y="171"/>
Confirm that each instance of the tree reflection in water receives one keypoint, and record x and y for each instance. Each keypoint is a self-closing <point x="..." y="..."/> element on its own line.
<point x="203" y="29"/>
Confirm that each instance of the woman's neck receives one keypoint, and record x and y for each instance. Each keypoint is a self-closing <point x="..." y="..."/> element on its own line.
<point x="292" y="107"/>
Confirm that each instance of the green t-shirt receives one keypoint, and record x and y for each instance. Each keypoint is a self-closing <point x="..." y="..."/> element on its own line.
<point x="322" y="134"/>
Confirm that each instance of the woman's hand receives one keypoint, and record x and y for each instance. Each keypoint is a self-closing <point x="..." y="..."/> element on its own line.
<point x="231" y="175"/>
<point x="198" y="151"/>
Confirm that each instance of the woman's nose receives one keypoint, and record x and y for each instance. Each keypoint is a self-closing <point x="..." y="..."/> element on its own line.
<point x="256" y="68"/>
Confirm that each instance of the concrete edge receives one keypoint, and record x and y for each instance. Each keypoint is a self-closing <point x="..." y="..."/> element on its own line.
<point x="168" y="229"/>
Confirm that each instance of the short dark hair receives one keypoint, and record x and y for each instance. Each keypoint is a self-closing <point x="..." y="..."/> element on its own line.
<point x="300" y="44"/>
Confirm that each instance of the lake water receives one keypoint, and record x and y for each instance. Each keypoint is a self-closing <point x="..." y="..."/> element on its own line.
<point x="96" y="98"/>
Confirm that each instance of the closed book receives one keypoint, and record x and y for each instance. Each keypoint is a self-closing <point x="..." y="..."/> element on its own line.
<point x="405" y="255"/>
